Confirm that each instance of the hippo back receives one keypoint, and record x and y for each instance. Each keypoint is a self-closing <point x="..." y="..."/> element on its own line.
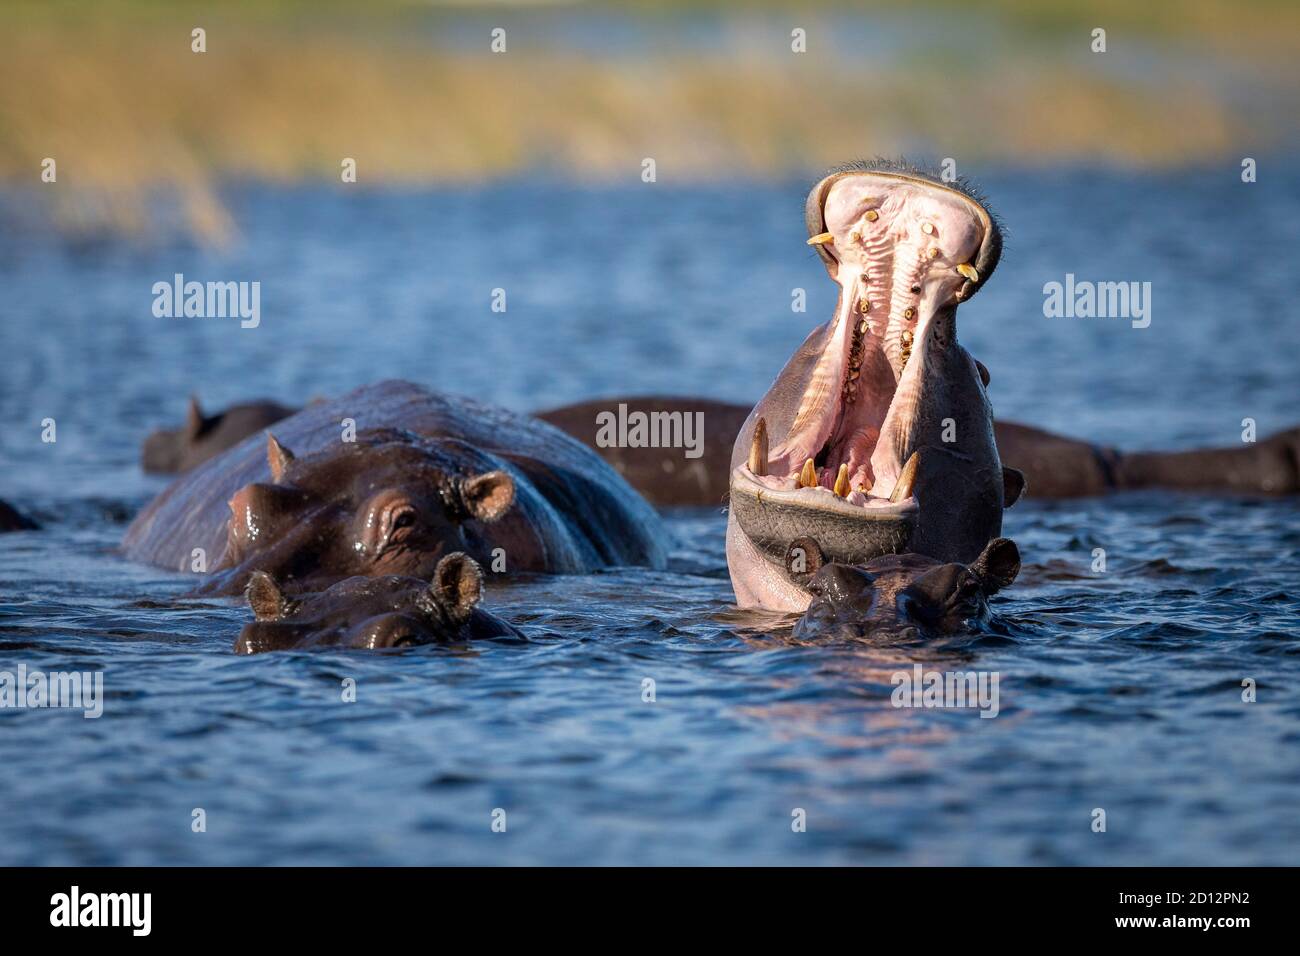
<point x="606" y="522"/>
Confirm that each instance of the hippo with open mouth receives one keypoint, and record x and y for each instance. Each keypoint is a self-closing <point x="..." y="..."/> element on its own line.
<point x="907" y="594"/>
<point x="373" y="613"/>
<point x="424" y="474"/>
<point x="877" y="436"/>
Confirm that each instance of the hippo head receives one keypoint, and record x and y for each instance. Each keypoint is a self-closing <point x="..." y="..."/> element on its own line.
<point x="372" y="613"/>
<point x="899" y="592"/>
<point x="169" y="450"/>
<point x="877" y="436"/>
<point x="389" y="502"/>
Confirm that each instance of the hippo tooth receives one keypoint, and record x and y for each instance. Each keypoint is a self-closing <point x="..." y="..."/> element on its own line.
<point x="927" y="228"/>
<point x="842" y="481"/>
<point x="909" y="314"/>
<point x="872" y="215"/>
<point x="808" y="477"/>
<point x="864" y="305"/>
<point x="934" y="252"/>
<point x="822" y="239"/>
<point x="865" y="489"/>
<point x="969" y="271"/>
<point x="903" y="488"/>
<point x="758" y="450"/>
<point x="906" y="337"/>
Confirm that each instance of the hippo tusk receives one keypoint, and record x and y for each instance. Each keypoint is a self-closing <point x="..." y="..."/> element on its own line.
<point x="821" y="239"/>
<point x="903" y="488"/>
<point x="842" y="481"/>
<point x="969" y="271"/>
<point x="758" y="450"/>
<point x="808" y="477"/>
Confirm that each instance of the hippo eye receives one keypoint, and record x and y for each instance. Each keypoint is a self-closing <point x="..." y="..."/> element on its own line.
<point x="398" y="521"/>
<point x="390" y="521"/>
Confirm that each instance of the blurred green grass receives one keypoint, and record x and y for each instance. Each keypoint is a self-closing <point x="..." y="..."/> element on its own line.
<point x="288" y="89"/>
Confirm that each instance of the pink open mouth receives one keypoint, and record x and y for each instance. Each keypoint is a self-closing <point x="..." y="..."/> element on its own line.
<point x="901" y="251"/>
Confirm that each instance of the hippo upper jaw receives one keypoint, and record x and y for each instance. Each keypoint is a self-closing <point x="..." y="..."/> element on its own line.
<point x="837" y="448"/>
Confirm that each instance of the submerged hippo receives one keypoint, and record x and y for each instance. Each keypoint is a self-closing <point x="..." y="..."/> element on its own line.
<point x="425" y="475"/>
<point x="1060" y="467"/>
<point x="1054" y="466"/>
<point x="373" y="613"/>
<point x="877" y="436"/>
<point x="11" y="519"/>
<point x="171" y="450"/>
<point x="667" y="476"/>
<point x="899" y="592"/>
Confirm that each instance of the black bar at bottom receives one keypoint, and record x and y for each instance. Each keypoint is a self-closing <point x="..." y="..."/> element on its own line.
<point x="334" y="905"/>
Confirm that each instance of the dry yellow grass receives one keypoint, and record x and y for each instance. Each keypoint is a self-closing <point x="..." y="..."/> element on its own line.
<point x="127" y="109"/>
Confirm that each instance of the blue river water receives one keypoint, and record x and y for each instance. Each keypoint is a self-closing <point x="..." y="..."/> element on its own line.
<point x="1119" y="690"/>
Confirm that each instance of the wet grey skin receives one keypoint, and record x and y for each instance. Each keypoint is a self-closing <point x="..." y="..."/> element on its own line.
<point x="373" y="613"/>
<point x="877" y="436"/>
<point x="908" y="595"/>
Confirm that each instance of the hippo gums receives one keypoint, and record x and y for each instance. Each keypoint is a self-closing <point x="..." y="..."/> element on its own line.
<point x="899" y="592"/>
<point x="171" y="450"/>
<point x="877" y="436"/>
<point x="373" y="613"/>
<point x="424" y="475"/>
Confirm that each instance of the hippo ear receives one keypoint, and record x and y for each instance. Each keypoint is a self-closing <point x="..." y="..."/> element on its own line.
<point x="458" y="584"/>
<point x="278" y="457"/>
<point x="997" y="565"/>
<point x="193" y="419"/>
<point x="264" y="597"/>
<point x="488" y="496"/>
<point x="803" y="559"/>
<point x="1013" y="485"/>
